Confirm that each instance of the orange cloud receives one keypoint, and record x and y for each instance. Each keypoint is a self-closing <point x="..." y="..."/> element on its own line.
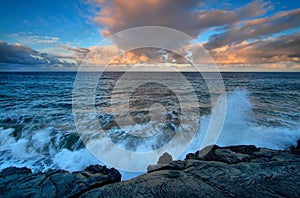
<point x="255" y="29"/>
<point x="145" y="55"/>
<point x="238" y="44"/>
<point x="183" y="15"/>
<point x="273" y="50"/>
<point x="268" y="51"/>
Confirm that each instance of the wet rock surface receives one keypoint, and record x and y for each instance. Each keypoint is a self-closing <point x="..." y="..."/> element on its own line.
<point x="235" y="171"/>
<point x="164" y="160"/>
<point x="296" y="149"/>
<point x="20" y="182"/>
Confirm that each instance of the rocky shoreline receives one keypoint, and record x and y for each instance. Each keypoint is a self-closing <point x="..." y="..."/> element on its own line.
<point x="234" y="171"/>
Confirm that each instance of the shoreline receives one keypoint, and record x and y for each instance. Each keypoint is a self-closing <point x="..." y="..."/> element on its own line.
<point x="222" y="172"/>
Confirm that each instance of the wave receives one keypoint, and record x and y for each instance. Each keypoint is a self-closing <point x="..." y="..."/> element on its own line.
<point x="43" y="150"/>
<point x="240" y="127"/>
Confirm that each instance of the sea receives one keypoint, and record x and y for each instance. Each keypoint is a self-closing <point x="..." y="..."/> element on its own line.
<point x="38" y="126"/>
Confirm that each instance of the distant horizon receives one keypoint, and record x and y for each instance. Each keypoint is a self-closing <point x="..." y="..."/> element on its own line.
<point x="74" y="71"/>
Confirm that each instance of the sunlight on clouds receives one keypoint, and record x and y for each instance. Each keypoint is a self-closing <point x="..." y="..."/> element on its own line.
<point x="246" y="36"/>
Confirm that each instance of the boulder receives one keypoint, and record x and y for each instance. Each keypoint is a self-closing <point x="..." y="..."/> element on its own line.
<point x="296" y="149"/>
<point x="164" y="160"/>
<point x="21" y="182"/>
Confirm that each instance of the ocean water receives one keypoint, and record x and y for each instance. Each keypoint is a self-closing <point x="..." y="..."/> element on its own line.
<point x="37" y="127"/>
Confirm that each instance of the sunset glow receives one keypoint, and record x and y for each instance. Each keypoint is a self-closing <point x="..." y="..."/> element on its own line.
<point x="57" y="35"/>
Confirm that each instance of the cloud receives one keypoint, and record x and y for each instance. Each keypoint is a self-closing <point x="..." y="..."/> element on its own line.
<point x="78" y="53"/>
<point x="185" y="16"/>
<point x="113" y="55"/>
<point x="100" y="55"/>
<point x="41" y="39"/>
<point x="256" y="29"/>
<point x="241" y="36"/>
<point x="103" y="55"/>
<point x="272" y="50"/>
<point x="19" y="54"/>
<point x="267" y="51"/>
<point x="28" y="38"/>
<point x="272" y="54"/>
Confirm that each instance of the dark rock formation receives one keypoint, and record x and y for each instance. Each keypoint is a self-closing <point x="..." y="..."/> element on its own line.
<point x="164" y="160"/>
<point x="20" y="182"/>
<point x="236" y="171"/>
<point x="296" y="149"/>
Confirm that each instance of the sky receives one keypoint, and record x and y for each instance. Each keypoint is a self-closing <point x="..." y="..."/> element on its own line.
<point x="239" y="35"/>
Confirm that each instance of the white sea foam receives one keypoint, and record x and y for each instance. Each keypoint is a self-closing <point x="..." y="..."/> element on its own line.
<point x="40" y="153"/>
<point x="74" y="160"/>
<point x="240" y="129"/>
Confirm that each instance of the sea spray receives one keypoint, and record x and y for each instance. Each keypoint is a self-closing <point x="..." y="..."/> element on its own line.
<point x="38" y="132"/>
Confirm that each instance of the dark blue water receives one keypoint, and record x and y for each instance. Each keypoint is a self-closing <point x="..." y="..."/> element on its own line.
<point x="37" y="126"/>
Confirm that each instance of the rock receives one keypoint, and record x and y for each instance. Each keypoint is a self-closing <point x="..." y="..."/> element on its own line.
<point x="151" y="168"/>
<point x="15" y="171"/>
<point x="235" y="171"/>
<point x="296" y="149"/>
<point x="164" y="160"/>
<point x="20" y="182"/>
